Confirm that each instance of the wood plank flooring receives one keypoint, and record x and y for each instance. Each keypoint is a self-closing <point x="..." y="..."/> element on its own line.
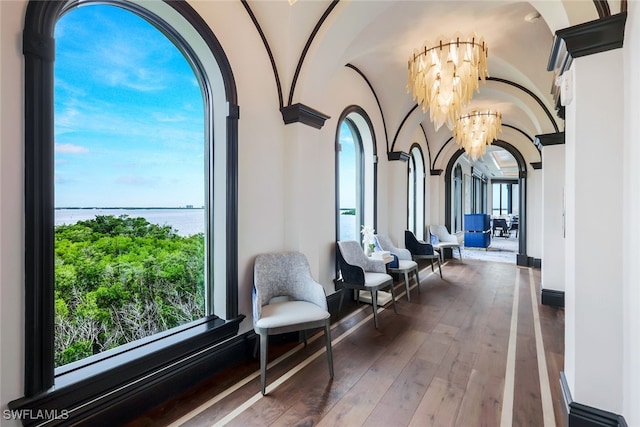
<point x="461" y="353"/>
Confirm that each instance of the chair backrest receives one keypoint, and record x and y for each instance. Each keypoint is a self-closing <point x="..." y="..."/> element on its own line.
<point x="443" y="235"/>
<point x="387" y="245"/>
<point x="279" y="274"/>
<point x="352" y="253"/>
<point x="499" y="223"/>
<point x="415" y="246"/>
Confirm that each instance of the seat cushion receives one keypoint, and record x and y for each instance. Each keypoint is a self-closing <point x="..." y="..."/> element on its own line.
<point x="290" y="313"/>
<point x="376" y="279"/>
<point x="404" y="264"/>
<point x="448" y="245"/>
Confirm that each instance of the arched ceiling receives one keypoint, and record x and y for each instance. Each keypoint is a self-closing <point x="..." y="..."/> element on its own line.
<point x="376" y="38"/>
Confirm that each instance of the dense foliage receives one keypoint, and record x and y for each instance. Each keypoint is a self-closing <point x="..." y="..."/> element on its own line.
<point x="122" y="279"/>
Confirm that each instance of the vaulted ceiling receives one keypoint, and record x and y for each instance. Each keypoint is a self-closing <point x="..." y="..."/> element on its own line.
<point x="375" y="38"/>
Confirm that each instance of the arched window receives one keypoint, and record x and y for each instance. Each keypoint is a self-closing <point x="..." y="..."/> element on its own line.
<point x="457" y="199"/>
<point x="355" y="174"/>
<point x="89" y="149"/>
<point x="130" y="183"/>
<point x="416" y="193"/>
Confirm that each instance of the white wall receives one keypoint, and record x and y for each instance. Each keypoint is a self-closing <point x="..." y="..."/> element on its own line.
<point x="630" y="215"/>
<point x="594" y="287"/>
<point x="11" y="205"/>
<point x="553" y="256"/>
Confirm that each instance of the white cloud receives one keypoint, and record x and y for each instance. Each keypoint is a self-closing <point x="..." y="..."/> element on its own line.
<point x="70" y="149"/>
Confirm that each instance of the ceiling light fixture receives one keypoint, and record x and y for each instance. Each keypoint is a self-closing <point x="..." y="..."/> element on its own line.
<point x="442" y="78"/>
<point x="476" y="130"/>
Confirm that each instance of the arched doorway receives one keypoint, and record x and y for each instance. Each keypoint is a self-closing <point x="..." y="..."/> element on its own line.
<point x="521" y="258"/>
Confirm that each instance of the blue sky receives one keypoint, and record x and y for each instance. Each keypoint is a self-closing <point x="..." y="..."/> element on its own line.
<point x="347" y="168"/>
<point x="129" y="127"/>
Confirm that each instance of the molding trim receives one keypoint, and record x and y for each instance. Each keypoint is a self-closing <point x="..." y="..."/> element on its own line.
<point x="435" y="172"/>
<point x="592" y="37"/>
<point x="600" y="35"/>
<point x="136" y="383"/>
<point x="265" y="42"/>
<point x="300" y="113"/>
<point x="556" y="138"/>
<point x="536" y="165"/>
<point x="398" y="155"/>
<point x="552" y="298"/>
<point x="375" y="95"/>
<point x="524" y="260"/>
<point x="587" y="416"/>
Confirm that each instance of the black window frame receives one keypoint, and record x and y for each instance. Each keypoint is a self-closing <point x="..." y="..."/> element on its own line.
<point x="83" y="390"/>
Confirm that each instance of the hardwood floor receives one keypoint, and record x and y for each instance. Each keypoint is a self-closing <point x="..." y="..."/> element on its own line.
<point x="461" y="353"/>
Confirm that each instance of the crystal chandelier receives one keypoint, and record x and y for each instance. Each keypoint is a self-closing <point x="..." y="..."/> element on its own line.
<point x="476" y="130"/>
<point x="442" y="78"/>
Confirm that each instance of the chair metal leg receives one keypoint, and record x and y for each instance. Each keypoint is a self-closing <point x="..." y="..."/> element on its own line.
<point x="374" y="304"/>
<point x="341" y="298"/>
<point x="327" y="339"/>
<point x="417" y="279"/>
<point x="256" y="346"/>
<point x="393" y="298"/>
<point x="264" y="342"/>
<point x="406" y="283"/>
<point x="431" y="261"/>
<point x="440" y="268"/>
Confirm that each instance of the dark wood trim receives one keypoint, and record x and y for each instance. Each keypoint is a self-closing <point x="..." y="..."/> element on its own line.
<point x="580" y="415"/>
<point x="398" y="155"/>
<point x="504" y="125"/>
<point x="592" y="37"/>
<point x="441" y="150"/>
<point x="395" y="137"/>
<point x="557" y="138"/>
<point x="552" y="297"/>
<point x="536" y="165"/>
<point x="375" y="95"/>
<point x="602" y="6"/>
<point x="38" y="50"/>
<point x="268" y="49"/>
<point x="324" y="16"/>
<point x="426" y="141"/>
<point x="525" y="260"/>
<point x="586" y="416"/>
<point x="130" y="378"/>
<point x="532" y="95"/>
<point x="300" y="113"/>
<point x="435" y="172"/>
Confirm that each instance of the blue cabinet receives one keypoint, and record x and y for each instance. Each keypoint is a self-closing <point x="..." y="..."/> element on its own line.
<point x="477" y="230"/>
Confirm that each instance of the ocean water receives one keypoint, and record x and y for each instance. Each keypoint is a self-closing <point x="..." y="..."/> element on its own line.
<point x="186" y="221"/>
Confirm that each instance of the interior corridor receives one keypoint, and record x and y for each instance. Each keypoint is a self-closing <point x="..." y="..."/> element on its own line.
<point x="473" y="348"/>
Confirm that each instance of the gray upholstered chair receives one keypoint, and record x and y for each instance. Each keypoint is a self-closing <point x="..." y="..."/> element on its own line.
<point x="446" y="240"/>
<point x="421" y="250"/>
<point x="362" y="273"/>
<point x="286" y="299"/>
<point x="405" y="264"/>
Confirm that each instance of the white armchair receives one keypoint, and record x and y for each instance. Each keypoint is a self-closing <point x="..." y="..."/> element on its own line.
<point x="405" y="265"/>
<point x="362" y="273"/>
<point x="286" y="299"/>
<point x="445" y="240"/>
